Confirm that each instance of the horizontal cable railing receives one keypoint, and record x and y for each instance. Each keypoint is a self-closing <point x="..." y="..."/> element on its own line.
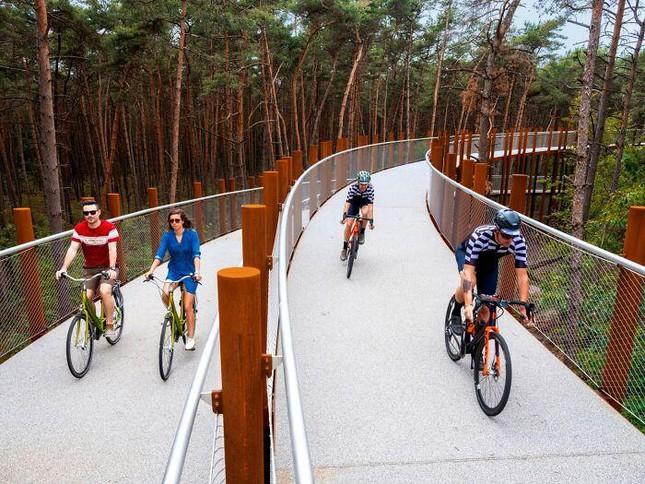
<point x="590" y="302"/>
<point x="311" y="190"/>
<point x="34" y="302"/>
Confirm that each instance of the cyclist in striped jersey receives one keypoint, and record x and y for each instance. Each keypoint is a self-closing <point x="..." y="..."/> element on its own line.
<point x="477" y="260"/>
<point x="360" y="199"/>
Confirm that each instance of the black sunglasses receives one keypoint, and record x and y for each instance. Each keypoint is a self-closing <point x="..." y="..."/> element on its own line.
<point x="174" y="220"/>
<point x="89" y="212"/>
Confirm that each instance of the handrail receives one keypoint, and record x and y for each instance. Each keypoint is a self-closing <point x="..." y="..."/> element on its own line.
<point x="61" y="235"/>
<point x="569" y="239"/>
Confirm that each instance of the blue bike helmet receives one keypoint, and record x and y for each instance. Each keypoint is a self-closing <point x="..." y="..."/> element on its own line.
<point x="507" y="221"/>
<point x="363" y="177"/>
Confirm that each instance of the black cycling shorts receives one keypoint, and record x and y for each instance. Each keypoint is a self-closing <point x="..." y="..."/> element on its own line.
<point x="355" y="206"/>
<point x="486" y="269"/>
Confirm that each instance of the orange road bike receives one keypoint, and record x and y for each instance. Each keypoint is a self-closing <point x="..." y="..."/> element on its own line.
<point x="491" y="359"/>
<point x="352" y="245"/>
<point x="87" y="326"/>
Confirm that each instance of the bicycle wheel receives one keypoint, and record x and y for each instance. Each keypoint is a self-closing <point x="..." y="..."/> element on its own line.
<point x="119" y="317"/>
<point x="79" y="346"/>
<point x="352" y="255"/>
<point x="493" y="389"/>
<point x="453" y="341"/>
<point x="166" y="348"/>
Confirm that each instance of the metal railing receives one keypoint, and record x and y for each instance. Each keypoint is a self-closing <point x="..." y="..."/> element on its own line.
<point x="316" y="185"/>
<point x="30" y="305"/>
<point x="581" y="292"/>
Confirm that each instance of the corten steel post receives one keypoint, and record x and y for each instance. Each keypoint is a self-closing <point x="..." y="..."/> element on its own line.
<point x="199" y="209"/>
<point x="271" y="197"/>
<point x="31" y="289"/>
<point x="155" y="227"/>
<point x="297" y="164"/>
<point x="221" y="188"/>
<point x="341" y="144"/>
<point x="481" y="178"/>
<point x="375" y="138"/>
<point x="87" y="199"/>
<point x="283" y="170"/>
<point x="114" y="205"/>
<point x="250" y="181"/>
<point x="436" y="154"/>
<point x="467" y="172"/>
<point x="259" y="181"/>
<point x="518" y="192"/>
<point x="624" y="321"/>
<point x="312" y="155"/>
<point x="231" y="184"/>
<point x="291" y="170"/>
<point x="450" y="166"/>
<point x="242" y="376"/>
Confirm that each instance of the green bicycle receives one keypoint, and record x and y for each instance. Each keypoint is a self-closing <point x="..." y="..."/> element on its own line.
<point x="87" y="326"/>
<point x="173" y="326"/>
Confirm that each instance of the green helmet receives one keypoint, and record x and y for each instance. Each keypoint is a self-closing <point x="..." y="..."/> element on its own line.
<point x="363" y="177"/>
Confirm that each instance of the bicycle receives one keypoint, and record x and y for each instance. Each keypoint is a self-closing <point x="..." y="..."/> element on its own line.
<point x="352" y="244"/>
<point x="491" y="359"/>
<point x="87" y="326"/>
<point x="173" y="326"/>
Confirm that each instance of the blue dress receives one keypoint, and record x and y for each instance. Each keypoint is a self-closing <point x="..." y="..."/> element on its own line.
<point x="182" y="256"/>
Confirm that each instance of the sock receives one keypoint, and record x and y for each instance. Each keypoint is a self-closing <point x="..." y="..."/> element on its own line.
<point x="362" y="230"/>
<point x="345" y="244"/>
<point x="456" y="310"/>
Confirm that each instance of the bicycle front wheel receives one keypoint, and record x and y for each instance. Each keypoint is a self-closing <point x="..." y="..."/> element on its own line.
<point x="353" y="244"/>
<point x="453" y="341"/>
<point x="79" y="346"/>
<point x="494" y="387"/>
<point x="166" y="348"/>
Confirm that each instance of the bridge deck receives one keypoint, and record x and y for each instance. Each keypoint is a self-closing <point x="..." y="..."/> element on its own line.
<point x="382" y="401"/>
<point x="118" y="422"/>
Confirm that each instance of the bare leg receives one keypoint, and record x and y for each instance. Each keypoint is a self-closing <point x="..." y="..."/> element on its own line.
<point x="190" y="312"/>
<point x="105" y="291"/>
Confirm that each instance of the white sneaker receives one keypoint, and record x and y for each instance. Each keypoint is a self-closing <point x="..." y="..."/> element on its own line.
<point x="190" y="344"/>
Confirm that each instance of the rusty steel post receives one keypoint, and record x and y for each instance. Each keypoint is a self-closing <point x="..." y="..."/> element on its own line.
<point x="271" y="197"/>
<point x="436" y="154"/>
<point x="518" y="192"/>
<point x="31" y="288"/>
<point x="221" y="188"/>
<point x="481" y="178"/>
<point x="450" y="166"/>
<point x="154" y="221"/>
<point x="297" y="164"/>
<point x="243" y="381"/>
<point x="624" y="321"/>
<point x="467" y="172"/>
<point x="114" y="205"/>
<point x="199" y="210"/>
<point x="312" y="155"/>
<point x="250" y="181"/>
<point x="375" y="139"/>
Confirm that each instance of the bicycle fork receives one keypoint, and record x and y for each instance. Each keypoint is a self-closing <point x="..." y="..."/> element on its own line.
<point x="488" y="331"/>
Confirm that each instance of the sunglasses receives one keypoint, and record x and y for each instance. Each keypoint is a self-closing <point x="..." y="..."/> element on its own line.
<point x="175" y="220"/>
<point x="89" y="212"/>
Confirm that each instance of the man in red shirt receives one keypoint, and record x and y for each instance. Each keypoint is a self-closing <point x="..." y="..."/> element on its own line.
<point x="97" y="238"/>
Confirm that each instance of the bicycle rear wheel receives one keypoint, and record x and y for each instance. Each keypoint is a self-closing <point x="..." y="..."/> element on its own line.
<point x="494" y="388"/>
<point x="353" y="245"/>
<point x="166" y="348"/>
<point x="453" y="341"/>
<point x="79" y="346"/>
<point x="119" y="317"/>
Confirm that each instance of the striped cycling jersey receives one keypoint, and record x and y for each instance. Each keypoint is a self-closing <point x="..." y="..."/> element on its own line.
<point x="482" y="242"/>
<point x="354" y="194"/>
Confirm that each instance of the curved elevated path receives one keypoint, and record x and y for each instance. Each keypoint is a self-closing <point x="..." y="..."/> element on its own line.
<point x="383" y="402"/>
<point x="117" y="423"/>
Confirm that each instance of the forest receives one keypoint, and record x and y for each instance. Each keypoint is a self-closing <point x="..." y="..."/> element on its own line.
<point x="103" y="96"/>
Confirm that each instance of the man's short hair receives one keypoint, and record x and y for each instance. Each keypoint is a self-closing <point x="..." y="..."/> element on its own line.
<point x="90" y="202"/>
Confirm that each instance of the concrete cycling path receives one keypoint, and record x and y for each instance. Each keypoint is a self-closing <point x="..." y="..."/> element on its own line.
<point x="382" y="400"/>
<point x="117" y="423"/>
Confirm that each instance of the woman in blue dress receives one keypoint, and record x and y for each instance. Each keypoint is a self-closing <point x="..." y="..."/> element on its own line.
<point x="182" y="243"/>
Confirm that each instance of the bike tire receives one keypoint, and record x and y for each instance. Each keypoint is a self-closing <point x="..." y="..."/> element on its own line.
<point x="350" y="258"/>
<point x="492" y="408"/>
<point x="120" y="317"/>
<point x="453" y="341"/>
<point x="166" y="348"/>
<point x="80" y="342"/>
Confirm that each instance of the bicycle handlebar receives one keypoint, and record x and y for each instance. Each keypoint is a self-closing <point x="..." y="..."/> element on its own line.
<point x="65" y="275"/>
<point x="530" y="307"/>
<point x="189" y="276"/>
<point x="358" y="217"/>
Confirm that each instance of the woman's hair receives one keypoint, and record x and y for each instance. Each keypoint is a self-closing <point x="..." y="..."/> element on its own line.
<point x="178" y="211"/>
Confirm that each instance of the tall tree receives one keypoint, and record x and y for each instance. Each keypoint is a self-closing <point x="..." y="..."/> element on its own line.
<point x="174" y="155"/>
<point x="51" y="183"/>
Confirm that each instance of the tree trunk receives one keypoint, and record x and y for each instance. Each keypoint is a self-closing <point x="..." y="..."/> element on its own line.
<point x="485" y="109"/>
<point x="437" y="82"/>
<point x="321" y="106"/>
<point x="174" y="154"/>
<point x="51" y="182"/>
<point x="582" y="160"/>
<point x="627" y="101"/>
<point x="109" y="161"/>
<point x="507" y="108"/>
<point x="594" y="152"/>
<point x="350" y="81"/>
<point x="520" y="111"/>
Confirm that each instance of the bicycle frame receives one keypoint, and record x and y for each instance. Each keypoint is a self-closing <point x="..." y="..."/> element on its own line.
<point x="178" y="317"/>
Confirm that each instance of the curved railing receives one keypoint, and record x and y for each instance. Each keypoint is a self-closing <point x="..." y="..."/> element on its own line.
<point x="591" y="303"/>
<point x="34" y="302"/>
<point x="309" y="193"/>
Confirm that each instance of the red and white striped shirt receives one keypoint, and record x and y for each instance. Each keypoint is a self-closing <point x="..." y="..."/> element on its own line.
<point x="94" y="242"/>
